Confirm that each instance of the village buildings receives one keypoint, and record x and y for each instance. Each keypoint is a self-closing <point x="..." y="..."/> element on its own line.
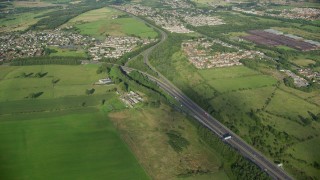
<point x="32" y="44"/>
<point x="174" y="19"/>
<point x="201" y="56"/>
<point x="131" y="98"/>
<point x="115" y="47"/>
<point x="298" y="81"/>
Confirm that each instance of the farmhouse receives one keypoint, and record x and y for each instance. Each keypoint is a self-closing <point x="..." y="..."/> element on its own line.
<point x="105" y="81"/>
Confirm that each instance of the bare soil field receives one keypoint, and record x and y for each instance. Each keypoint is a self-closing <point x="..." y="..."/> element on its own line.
<point x="270" y="39"/>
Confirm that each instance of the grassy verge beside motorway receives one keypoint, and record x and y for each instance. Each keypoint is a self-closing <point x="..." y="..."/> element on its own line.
<point x="147" y="131"/>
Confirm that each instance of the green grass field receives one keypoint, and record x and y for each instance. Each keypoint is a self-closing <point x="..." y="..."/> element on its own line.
<point x="307" y="150"/>
<point x="64" y="133"/>
<point x="73" y="81"/>
<point x="20" y="22"/>
<point x="289" y="126"/>
<point x="224" y="85"/>
<point x="68" y="53"/>
<point x="291" y="106"/>
<point x="227" y="72"/>
<point x="245" y="100"/>
<point x="306" y="153"/>
<point x="304" y="62"/>
<point x="73" y="146"/>
<point x="101" y="22"/>
<point x="117" y="27"/>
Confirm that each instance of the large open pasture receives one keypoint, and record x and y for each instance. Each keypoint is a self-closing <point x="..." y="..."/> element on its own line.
<point x="63" y="133"/>
<point x="291" y="106"/>
<point x="244" y="100"/>
<point x="57" y="81"/>
<point x="107" y="21"/>
<point x="307" y="150"/>
<point x="73" y="146"/>
<point x="227" y="72"/>
<point x="224" y="85"/>
<point x="68" y="52"/>
<point x="293" y="128"/>
<point x="20" y="22"/>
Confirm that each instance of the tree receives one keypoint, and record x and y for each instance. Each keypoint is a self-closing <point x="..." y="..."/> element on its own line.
<point x="288" y="81"/>
<point x="54" y="81"/>
<point x="123" y="86"/>
<point x="32" y="95"/>
<point x="89" y="91"/>
<point x="316" y="165"/>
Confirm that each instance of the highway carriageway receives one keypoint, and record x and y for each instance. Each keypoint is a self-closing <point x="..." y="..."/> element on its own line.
<point x="218" y="128"/>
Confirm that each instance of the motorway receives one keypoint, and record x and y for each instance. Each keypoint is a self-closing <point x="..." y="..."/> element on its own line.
<point x="206" y="119"/>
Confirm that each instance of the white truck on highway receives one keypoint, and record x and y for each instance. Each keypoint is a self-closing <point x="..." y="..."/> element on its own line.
<point x="227" y="136"/>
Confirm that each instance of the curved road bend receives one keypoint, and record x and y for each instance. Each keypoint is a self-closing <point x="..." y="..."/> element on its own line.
<point x="206" y="119"/>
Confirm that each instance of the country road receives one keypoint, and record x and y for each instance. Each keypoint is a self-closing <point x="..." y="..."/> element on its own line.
<point x="206" y="119"/>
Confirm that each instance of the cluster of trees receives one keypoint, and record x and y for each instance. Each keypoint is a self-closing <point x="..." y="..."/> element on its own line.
<point x="37" y="75"/>
<point x="137" y="83"/>
<point x="90" y="91"/>
<point x="117" y="2"/>
<point x="161" y="56"/>
<point x="54" y="81"/>
<point x="305" y="121"/>
<point x="176" y="141"/>
<point x="4" y="5"/>
<point x="219" y="48"/>
<point x="34" y="95"/>
<point x="45" y="60"/>
<point x="48" y="51"/>
<point x="104" y="68"/>
<point x="288" y="81"/>
<point x="138" y="63"/>
<point x="241" y="168"/>
<point x="143" y="80"/>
